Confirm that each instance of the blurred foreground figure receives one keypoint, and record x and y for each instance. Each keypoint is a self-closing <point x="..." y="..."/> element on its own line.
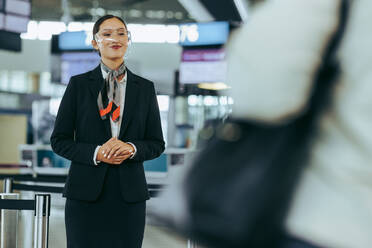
<point x="272" y="61"/>
<point x="278" y="64"/>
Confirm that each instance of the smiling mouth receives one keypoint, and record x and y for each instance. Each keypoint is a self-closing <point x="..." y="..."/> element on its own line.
<point x="116" y="47"/>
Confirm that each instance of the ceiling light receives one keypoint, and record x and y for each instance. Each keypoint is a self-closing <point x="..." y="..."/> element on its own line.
<point x="114" y="12"/>
<point x="193" y="100"/>
<point x="160" y="14"/>
<point x="213" y="86"/>
<point x="178" y="15"/>
<point x="151" y="33"/>
<point x="100" y="11"/>
<point x="49" y="28"/>
<point x="170" y="14"/>
<point x="75" y="26"/>
<point x="88" y="26"/>
<point x="210" y="101"/>
<point x="32" y="30"/>
<point x="135" y="13"/>
<point x="149" y="14"/>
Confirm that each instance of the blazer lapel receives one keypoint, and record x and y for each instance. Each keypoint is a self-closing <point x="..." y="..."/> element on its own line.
<point x="95" y="86"/>
<point x="131" y="94"/>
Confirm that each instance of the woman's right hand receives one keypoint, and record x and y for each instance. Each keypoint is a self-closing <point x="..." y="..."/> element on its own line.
<point x="104" y="150"/>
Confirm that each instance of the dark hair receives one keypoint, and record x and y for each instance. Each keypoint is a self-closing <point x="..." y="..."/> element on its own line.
<point x="98" y="23"/>
<point x="102" y="19"/>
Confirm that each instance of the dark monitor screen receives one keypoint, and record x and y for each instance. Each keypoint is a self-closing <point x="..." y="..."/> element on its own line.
<point x="48" y="159"/>
<point x="177" y="159"/>
<point x="10" y="41"/>
<point x="27" y="155"/>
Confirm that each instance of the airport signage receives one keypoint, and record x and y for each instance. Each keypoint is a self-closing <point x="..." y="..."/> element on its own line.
<point x="204" y="34"/>
<point x="203" y="55"/>
<point x="70" y="41"/>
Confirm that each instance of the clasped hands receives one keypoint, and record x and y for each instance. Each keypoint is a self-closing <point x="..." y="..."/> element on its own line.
<point x="114" y="151"/>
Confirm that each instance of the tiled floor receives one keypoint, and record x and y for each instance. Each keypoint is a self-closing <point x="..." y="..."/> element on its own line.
<point x="155" y="236"/>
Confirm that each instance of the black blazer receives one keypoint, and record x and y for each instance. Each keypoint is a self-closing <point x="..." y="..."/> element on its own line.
<point x="79" y="129"/>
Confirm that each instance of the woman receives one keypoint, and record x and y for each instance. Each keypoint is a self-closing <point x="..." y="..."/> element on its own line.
<point x="108" y="123"/>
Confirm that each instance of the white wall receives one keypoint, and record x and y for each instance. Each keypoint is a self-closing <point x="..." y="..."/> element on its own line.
<point x="34" y="57"/>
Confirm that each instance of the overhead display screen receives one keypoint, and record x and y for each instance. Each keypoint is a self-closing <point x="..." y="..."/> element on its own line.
<point x="18" y="7"/>
<point x="203" y="66"/>
<point x="200" y="34"/>
<point x="69" y="41"/>
<point x="203" y="72"/>
<point x="14" y="15"/>
<point x="10" y="41"/>
<point x="14" y="18"/>
<point x="16" y="24"/>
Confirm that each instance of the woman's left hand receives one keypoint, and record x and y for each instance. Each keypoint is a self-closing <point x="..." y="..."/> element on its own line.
<point x="117" y="148"/>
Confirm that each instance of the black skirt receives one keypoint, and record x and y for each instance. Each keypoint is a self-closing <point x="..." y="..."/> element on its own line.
<point x="107" y="222"/>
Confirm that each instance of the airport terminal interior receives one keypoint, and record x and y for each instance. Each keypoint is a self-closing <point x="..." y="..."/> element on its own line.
<point x="185" y="123"/>
<point x="177" y="44"/>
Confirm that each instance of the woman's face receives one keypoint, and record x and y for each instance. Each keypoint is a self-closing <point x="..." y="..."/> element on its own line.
<point x="111" y="39"/>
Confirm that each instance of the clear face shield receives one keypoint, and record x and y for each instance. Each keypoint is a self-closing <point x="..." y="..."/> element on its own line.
<point x="114" y="36"/>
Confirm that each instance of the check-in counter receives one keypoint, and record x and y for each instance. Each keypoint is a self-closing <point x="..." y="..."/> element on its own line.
<point x="40" y="159"/>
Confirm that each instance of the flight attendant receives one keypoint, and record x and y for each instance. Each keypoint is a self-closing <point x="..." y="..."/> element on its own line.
<point x="108" y="123"/>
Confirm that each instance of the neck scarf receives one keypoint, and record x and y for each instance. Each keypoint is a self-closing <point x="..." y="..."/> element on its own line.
<point x="109" y="97"/>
